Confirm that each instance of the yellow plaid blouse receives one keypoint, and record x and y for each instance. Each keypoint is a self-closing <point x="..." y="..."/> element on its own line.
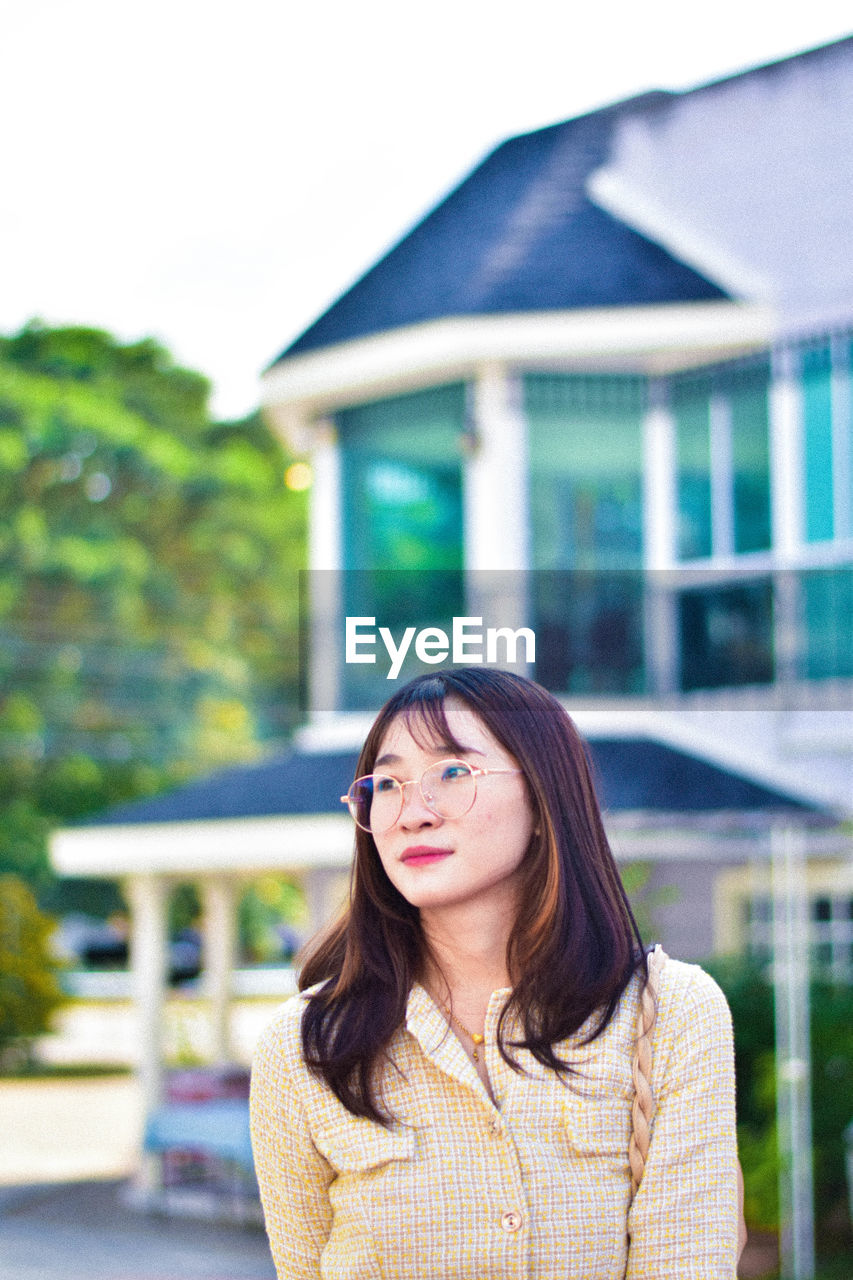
<point x="536" y="1186"/>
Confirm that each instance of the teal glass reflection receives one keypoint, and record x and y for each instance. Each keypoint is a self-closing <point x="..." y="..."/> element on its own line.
<point x="747" y="391"/>
<point x="827" y="608"/>
<point x="401" y="486"/>
<point x="690" y="402"/>
<point x="817" y="443"/>
<point x="585" y="450"/>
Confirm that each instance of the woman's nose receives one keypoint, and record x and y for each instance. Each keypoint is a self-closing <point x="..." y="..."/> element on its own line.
<point x="414" y="810"/>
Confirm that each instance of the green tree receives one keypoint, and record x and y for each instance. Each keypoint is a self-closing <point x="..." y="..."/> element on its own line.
<point x="29" y="986"/>
<point x="750" y="998"/>
<point x="148" y="582"/>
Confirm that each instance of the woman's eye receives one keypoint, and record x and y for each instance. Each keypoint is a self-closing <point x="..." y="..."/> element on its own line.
<point x="453" y="772"/>
<point x="381" y="784"/>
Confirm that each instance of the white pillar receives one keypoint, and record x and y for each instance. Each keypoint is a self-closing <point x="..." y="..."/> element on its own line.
<point x="660" y="493"/>
<point x="325" y="891"/>
<point x="147" y="897"/>
<point x="148" y="900"/>
<point x="220" y="936"/>
<point x="660" y="512"/>
<point x="496" y="507"/>
<point x="496" y="479"/>
<point x="325" y="561"/>
<point x="324" y="530"/>
<point x="793" y="1054"/>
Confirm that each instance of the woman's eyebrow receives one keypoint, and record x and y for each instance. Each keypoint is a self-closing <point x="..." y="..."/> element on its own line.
<point x="442" y="751"/>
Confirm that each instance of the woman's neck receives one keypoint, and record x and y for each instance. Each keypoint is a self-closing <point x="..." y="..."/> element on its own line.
<point x="465" y="951"/>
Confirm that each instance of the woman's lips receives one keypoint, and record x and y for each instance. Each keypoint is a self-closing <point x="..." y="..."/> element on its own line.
<point x="423" y="855"/>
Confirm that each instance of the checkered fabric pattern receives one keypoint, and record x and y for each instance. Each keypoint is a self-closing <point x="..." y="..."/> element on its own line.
<point x="535" y="1185"/>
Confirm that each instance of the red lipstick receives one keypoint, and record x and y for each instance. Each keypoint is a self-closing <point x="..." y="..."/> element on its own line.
<point x="422" y="855"/>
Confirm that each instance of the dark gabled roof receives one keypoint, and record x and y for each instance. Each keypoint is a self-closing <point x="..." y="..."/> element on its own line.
<point x="640" y="774"/>
<point x="282" y="785"/>
<point x="632" y="774"/>
<point x="519" y="234"/>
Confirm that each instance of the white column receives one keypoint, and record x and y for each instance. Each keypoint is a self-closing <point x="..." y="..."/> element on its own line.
<point x="325" y="516"/>
<point x="660" y="514"/>
<point x="793" y="1053"/>
<point x="325" y="891"/>
<point x="325" y="562"/>
<point x="660" y="492"/>
<point x="496" y="507"/>
<point x="219" y="941"/>
<point x="786" y="455"/>
<point x="147" y="898"/>
<point x="496" y="479"/>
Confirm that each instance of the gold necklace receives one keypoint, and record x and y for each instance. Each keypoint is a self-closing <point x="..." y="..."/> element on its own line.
<point x="472" y="1035"/>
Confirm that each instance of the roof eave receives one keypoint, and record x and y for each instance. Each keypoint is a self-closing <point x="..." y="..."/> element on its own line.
<point x="645" y="339"/>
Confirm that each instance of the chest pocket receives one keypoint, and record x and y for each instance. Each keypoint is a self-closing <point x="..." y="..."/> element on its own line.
<point x="598" y="1127"/>
<point x="359" y="1145"/>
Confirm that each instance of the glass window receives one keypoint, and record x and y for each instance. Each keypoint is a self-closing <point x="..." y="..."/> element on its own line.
<point x="726" y="635"/>
<point x="746" y="389"/>
<point x="585" y="449"/>
<point x="690" y="407"/>
<point x="827" y="606"/>
<point x="402" y="481"/>
<point x="586" y="462"/>
<point x="817" y="443"/>
<point x="401" y="485"/>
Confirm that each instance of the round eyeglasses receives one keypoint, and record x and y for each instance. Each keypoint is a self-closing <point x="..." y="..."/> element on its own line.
<point x="448" y="788"/>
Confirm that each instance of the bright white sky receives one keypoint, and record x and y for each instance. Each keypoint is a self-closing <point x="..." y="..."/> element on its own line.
<point x="215" y="174"/>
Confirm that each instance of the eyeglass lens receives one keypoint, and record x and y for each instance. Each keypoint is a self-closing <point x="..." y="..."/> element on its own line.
<point x="448" y="788"/>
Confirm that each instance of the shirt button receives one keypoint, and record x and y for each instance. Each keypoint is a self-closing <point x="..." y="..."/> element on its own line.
<point x="510" y="1221"/>
<point x="495" y="1125"/>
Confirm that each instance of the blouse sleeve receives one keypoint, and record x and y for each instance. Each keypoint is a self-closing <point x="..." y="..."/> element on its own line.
<point x="683" y="1224"/>
<point x="292" y="1175"/>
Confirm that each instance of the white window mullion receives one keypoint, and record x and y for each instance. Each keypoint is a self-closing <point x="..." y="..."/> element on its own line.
<point x="326" y="561"/>
<point x="660" y="492"/>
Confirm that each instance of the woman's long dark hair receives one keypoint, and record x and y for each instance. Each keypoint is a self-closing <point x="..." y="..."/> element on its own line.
<point x="575" y="944"/>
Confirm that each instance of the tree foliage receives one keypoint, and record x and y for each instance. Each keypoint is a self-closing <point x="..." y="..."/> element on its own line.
<point x="148" y="581"/>
<point x="29" y="986"/>
<point x="750" y="998"/>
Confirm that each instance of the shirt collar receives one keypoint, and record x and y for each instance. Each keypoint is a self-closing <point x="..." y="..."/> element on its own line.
<point x="427" y="1022"/>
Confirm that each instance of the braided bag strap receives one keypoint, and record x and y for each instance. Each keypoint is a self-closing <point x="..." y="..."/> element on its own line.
<point x="643" y="1107"/>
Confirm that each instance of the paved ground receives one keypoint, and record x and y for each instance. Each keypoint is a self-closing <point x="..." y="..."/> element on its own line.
<point x="69" y="1130"/>
<point x="84" y="1231"/>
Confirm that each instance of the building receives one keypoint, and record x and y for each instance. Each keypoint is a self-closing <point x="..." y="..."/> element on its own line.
<point x="603" y="390"/>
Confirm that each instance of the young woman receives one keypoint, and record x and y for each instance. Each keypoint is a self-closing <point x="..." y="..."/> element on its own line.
<point x="450" y="1096"/>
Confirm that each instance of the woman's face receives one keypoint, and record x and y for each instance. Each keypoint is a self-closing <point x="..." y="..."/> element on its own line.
<point x="438" y="862"/>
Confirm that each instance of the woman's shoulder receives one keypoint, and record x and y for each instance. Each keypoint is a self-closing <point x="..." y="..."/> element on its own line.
<point x="686" y="995"/>
<point x="282" y="1035"/>
<point x="686" y="985"/>
<point x="692" y="1011"/>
